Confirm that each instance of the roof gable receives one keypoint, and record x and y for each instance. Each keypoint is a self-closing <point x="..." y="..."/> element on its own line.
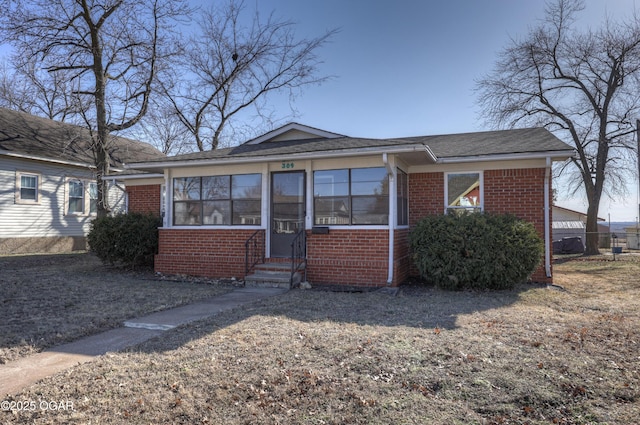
<point x="293" y="131"/>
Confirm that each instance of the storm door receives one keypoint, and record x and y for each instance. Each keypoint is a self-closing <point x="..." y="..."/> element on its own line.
<point x="287" y="210"/>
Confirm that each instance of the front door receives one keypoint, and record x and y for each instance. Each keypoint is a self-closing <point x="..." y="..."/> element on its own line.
<point x="287" y="210"/>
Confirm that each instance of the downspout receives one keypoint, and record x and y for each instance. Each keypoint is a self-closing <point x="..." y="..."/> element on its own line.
<point x="547" y="213"/>
<point x="392" y="209"/>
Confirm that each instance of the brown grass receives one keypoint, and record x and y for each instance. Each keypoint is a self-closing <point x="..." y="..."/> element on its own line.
<point x="529" y="356"/>
<point x="46" y="300"/>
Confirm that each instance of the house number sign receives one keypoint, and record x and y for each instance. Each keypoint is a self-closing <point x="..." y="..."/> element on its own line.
<point x="288" y="165"/>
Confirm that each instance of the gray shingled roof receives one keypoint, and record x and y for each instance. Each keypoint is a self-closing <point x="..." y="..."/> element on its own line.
<point x="33" y="136"/>
<point x="498" y="142"/>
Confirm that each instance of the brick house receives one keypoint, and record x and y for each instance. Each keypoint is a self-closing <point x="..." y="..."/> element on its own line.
<point x="346" y="204"/>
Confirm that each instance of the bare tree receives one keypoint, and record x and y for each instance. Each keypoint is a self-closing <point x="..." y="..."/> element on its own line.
<point x="24" y="87"/>
<point x="162" y="128"/>
<point x="232" y="67"/>
<point x="109" y="49"/>
<point x="583" y="85"/>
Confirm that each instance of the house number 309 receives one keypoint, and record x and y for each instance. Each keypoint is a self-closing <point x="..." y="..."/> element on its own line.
<point x="287" y="165"/>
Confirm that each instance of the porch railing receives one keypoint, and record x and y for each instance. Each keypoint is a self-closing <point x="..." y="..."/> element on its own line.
<point x="299" y="255"/>
<point x="253" y="251"/>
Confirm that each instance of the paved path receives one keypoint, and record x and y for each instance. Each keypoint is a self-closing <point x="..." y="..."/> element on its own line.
<point x="17" y="375"/>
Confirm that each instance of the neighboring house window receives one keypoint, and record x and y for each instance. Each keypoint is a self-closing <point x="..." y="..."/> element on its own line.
<point x="217" y="200"/>
<point x="402" y="198"/>
<point x="93" y="198"/>
<point x="27" y="188"/>
<point x="351" y="196"/>
<point x="76" y="197"/>
<point x="463" y="192"/>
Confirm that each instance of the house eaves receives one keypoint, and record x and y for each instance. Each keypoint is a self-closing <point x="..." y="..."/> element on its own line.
<point x="44" y="159"/>
<point x="555" y="155"/>
<point x="377" y="150"/>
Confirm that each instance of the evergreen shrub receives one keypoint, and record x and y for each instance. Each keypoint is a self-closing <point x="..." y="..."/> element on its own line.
<point x="475" y="250"/>
<point x="129" y="240"/>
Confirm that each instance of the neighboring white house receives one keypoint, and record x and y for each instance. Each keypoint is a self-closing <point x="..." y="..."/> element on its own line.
<point x="47" y="182"/>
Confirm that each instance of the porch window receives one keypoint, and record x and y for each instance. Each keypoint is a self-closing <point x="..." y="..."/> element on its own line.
<point x="217" y="200"/>
<point x="76" y="197"/>
<point x="402" y="191"/>
<point x="356" y="196"/>
<point x="463" y="192"/>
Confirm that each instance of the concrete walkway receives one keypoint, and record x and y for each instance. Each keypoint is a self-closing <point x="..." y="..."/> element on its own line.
<point x="17" y="375"/>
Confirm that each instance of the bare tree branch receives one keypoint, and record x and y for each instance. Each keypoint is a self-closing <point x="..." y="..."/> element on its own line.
<point x="233" y="67"/>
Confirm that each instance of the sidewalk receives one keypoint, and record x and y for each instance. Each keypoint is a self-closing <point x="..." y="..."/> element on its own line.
<point x="17" y="375"/>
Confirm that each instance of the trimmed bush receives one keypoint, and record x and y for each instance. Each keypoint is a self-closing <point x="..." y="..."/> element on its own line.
<point x="130" y="240"/>
<point x="475" y="251"/>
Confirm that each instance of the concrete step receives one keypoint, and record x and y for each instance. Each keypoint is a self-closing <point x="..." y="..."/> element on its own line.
<point x="270" y="275"/>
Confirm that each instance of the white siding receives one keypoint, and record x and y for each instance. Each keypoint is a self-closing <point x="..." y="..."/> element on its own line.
<point x="48" y="217"/>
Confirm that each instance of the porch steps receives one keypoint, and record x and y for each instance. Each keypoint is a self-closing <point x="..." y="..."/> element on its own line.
<point x="270" y="275"/>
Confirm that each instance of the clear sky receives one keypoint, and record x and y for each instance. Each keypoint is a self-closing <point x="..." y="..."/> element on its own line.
<point x="408" y="67"/>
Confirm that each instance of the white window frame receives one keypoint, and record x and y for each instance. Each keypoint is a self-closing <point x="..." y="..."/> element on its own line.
<point x="68" y="182"/>
<point x="479" y="206"/>
<point x="18" y="196"/>
<point x="89" y="198"/>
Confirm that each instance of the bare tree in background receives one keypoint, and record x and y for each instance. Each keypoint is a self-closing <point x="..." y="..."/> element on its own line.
<point x="110" y="50"/>
<point x="162" y="128"/>
<point x="583" y="85"/>
<point x="232" y="67"/>
<point x="25" y="87"/>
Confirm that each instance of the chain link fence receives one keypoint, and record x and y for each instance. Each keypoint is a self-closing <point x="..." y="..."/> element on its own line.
<point x="571" y="241"/>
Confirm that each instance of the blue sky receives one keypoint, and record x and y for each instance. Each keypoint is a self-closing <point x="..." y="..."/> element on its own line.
<point x="408" y="67"/>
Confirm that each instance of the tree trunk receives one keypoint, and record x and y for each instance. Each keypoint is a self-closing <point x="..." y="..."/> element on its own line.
<point x="592" y="242"/>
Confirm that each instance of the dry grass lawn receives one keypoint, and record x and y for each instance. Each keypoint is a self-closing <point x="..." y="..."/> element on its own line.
<point x="46" y="300"/>
<point x="533" y="355"/>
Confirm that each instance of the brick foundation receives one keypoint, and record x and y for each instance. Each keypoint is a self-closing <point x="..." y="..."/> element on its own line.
<point x="348" y="257"/>
<point x="202" y="252"/>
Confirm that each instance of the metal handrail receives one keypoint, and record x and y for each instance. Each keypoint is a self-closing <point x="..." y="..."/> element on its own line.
<point x="253" y="251"/>
<point x="299" y="255"/>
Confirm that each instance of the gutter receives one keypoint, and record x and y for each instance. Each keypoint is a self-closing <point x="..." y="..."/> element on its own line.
<point x="564" y="154"/>
<point x="114" y="177"/>
<point x="547" y="213"/>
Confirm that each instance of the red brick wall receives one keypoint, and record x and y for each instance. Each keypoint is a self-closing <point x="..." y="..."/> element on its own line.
<point x="202" y="252"/>
<point x="402" y="256"/>
<point x="144" y="199"/>
<point x="515" y="191"/>
<point x="426" y="195"/>
<point x="349" y="257"/>
<point x="519" y="192"/>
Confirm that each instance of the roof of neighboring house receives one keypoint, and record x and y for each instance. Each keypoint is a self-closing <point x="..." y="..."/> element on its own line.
<point x="580" y="213"/>
<point x="33" y="137"/>
<point x="441" y="148"/>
